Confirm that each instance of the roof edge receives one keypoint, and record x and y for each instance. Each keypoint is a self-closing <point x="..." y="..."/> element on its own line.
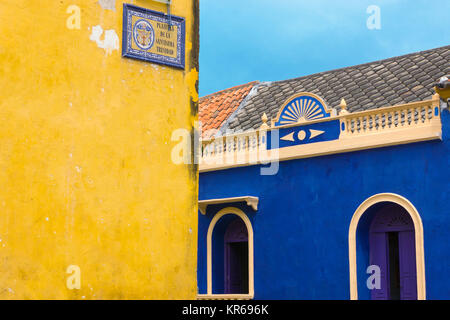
<point x="231" y="117"/>
<point x="229" y="89"/>
<point x="363" y="64"/>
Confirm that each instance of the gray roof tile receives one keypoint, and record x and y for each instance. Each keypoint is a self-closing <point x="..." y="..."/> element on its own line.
<point x="373" y="85"/>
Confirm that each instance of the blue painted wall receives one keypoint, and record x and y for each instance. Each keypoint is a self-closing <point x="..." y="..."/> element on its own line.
<point x="301" y="226"/>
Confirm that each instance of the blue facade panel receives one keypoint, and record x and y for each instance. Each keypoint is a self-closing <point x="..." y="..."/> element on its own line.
<point x="302" y="222"/>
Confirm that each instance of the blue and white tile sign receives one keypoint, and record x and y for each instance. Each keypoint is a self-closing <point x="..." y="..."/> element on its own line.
<point x="151" y="36"/>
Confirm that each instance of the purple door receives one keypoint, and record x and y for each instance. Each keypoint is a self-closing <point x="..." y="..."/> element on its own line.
<point x="378" y="256"/>
<point x="236" y="257"/>
<point x="392" y="248"/>
<point x="408" y="276"/>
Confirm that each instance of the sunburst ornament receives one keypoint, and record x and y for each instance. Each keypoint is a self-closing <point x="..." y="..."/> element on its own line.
<point x="301" y="108"/>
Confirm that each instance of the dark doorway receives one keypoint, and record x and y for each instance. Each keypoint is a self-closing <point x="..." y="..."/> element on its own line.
<point x="392" y="248"/>
<point x="236" y="258"/>
<point x="394" y="266"/>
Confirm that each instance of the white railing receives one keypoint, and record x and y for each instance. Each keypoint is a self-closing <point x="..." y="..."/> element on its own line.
<point x="238" y="148"/>
<point x="251" y="147"/>
<point x="410" y="115"/>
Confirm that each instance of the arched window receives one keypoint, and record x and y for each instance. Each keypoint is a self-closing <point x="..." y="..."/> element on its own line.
<point x="236" y="258"/>
<point x="386" y="231"/>
<point x="230" y="256"/>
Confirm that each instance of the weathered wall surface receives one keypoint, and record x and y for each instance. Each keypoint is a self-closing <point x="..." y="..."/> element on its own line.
<point x="86" y="176"/>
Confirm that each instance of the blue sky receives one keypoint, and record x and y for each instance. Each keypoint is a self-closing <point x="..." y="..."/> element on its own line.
<point x="270" y="40"/>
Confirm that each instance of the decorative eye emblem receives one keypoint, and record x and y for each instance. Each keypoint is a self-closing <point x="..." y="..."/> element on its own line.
<point x="301" y="135"/>
<point x="143" y="34"/>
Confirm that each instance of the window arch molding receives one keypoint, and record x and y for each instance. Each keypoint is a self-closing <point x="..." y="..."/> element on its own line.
<point x="418" y="231"/>
<point x="216" y="218"/>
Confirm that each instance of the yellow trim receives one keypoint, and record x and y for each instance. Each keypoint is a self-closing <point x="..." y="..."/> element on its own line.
<point x="352" y="143"/>
<point x="434" y="102"/>
<point x="255" y="132"/>
<point x="243" y="216"/>
<point x="301" y="94"/>
<point x="418" y="227"/>
<point x="364" y="136"/>
<point x="251" y="202"/>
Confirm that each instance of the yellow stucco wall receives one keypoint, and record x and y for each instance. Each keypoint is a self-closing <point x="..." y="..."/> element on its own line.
<point x="86" y="176"/>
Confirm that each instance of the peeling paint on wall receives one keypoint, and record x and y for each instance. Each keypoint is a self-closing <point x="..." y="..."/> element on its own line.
<point x="108" y="4"/>
<point x="87" y="159"/>
<point x="111" y="41"/>
<point x="191" y="81"/>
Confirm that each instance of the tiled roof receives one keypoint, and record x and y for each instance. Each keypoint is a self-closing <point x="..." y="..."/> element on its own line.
<point x="372" y="85"/>
<point x="215" y="108"/>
